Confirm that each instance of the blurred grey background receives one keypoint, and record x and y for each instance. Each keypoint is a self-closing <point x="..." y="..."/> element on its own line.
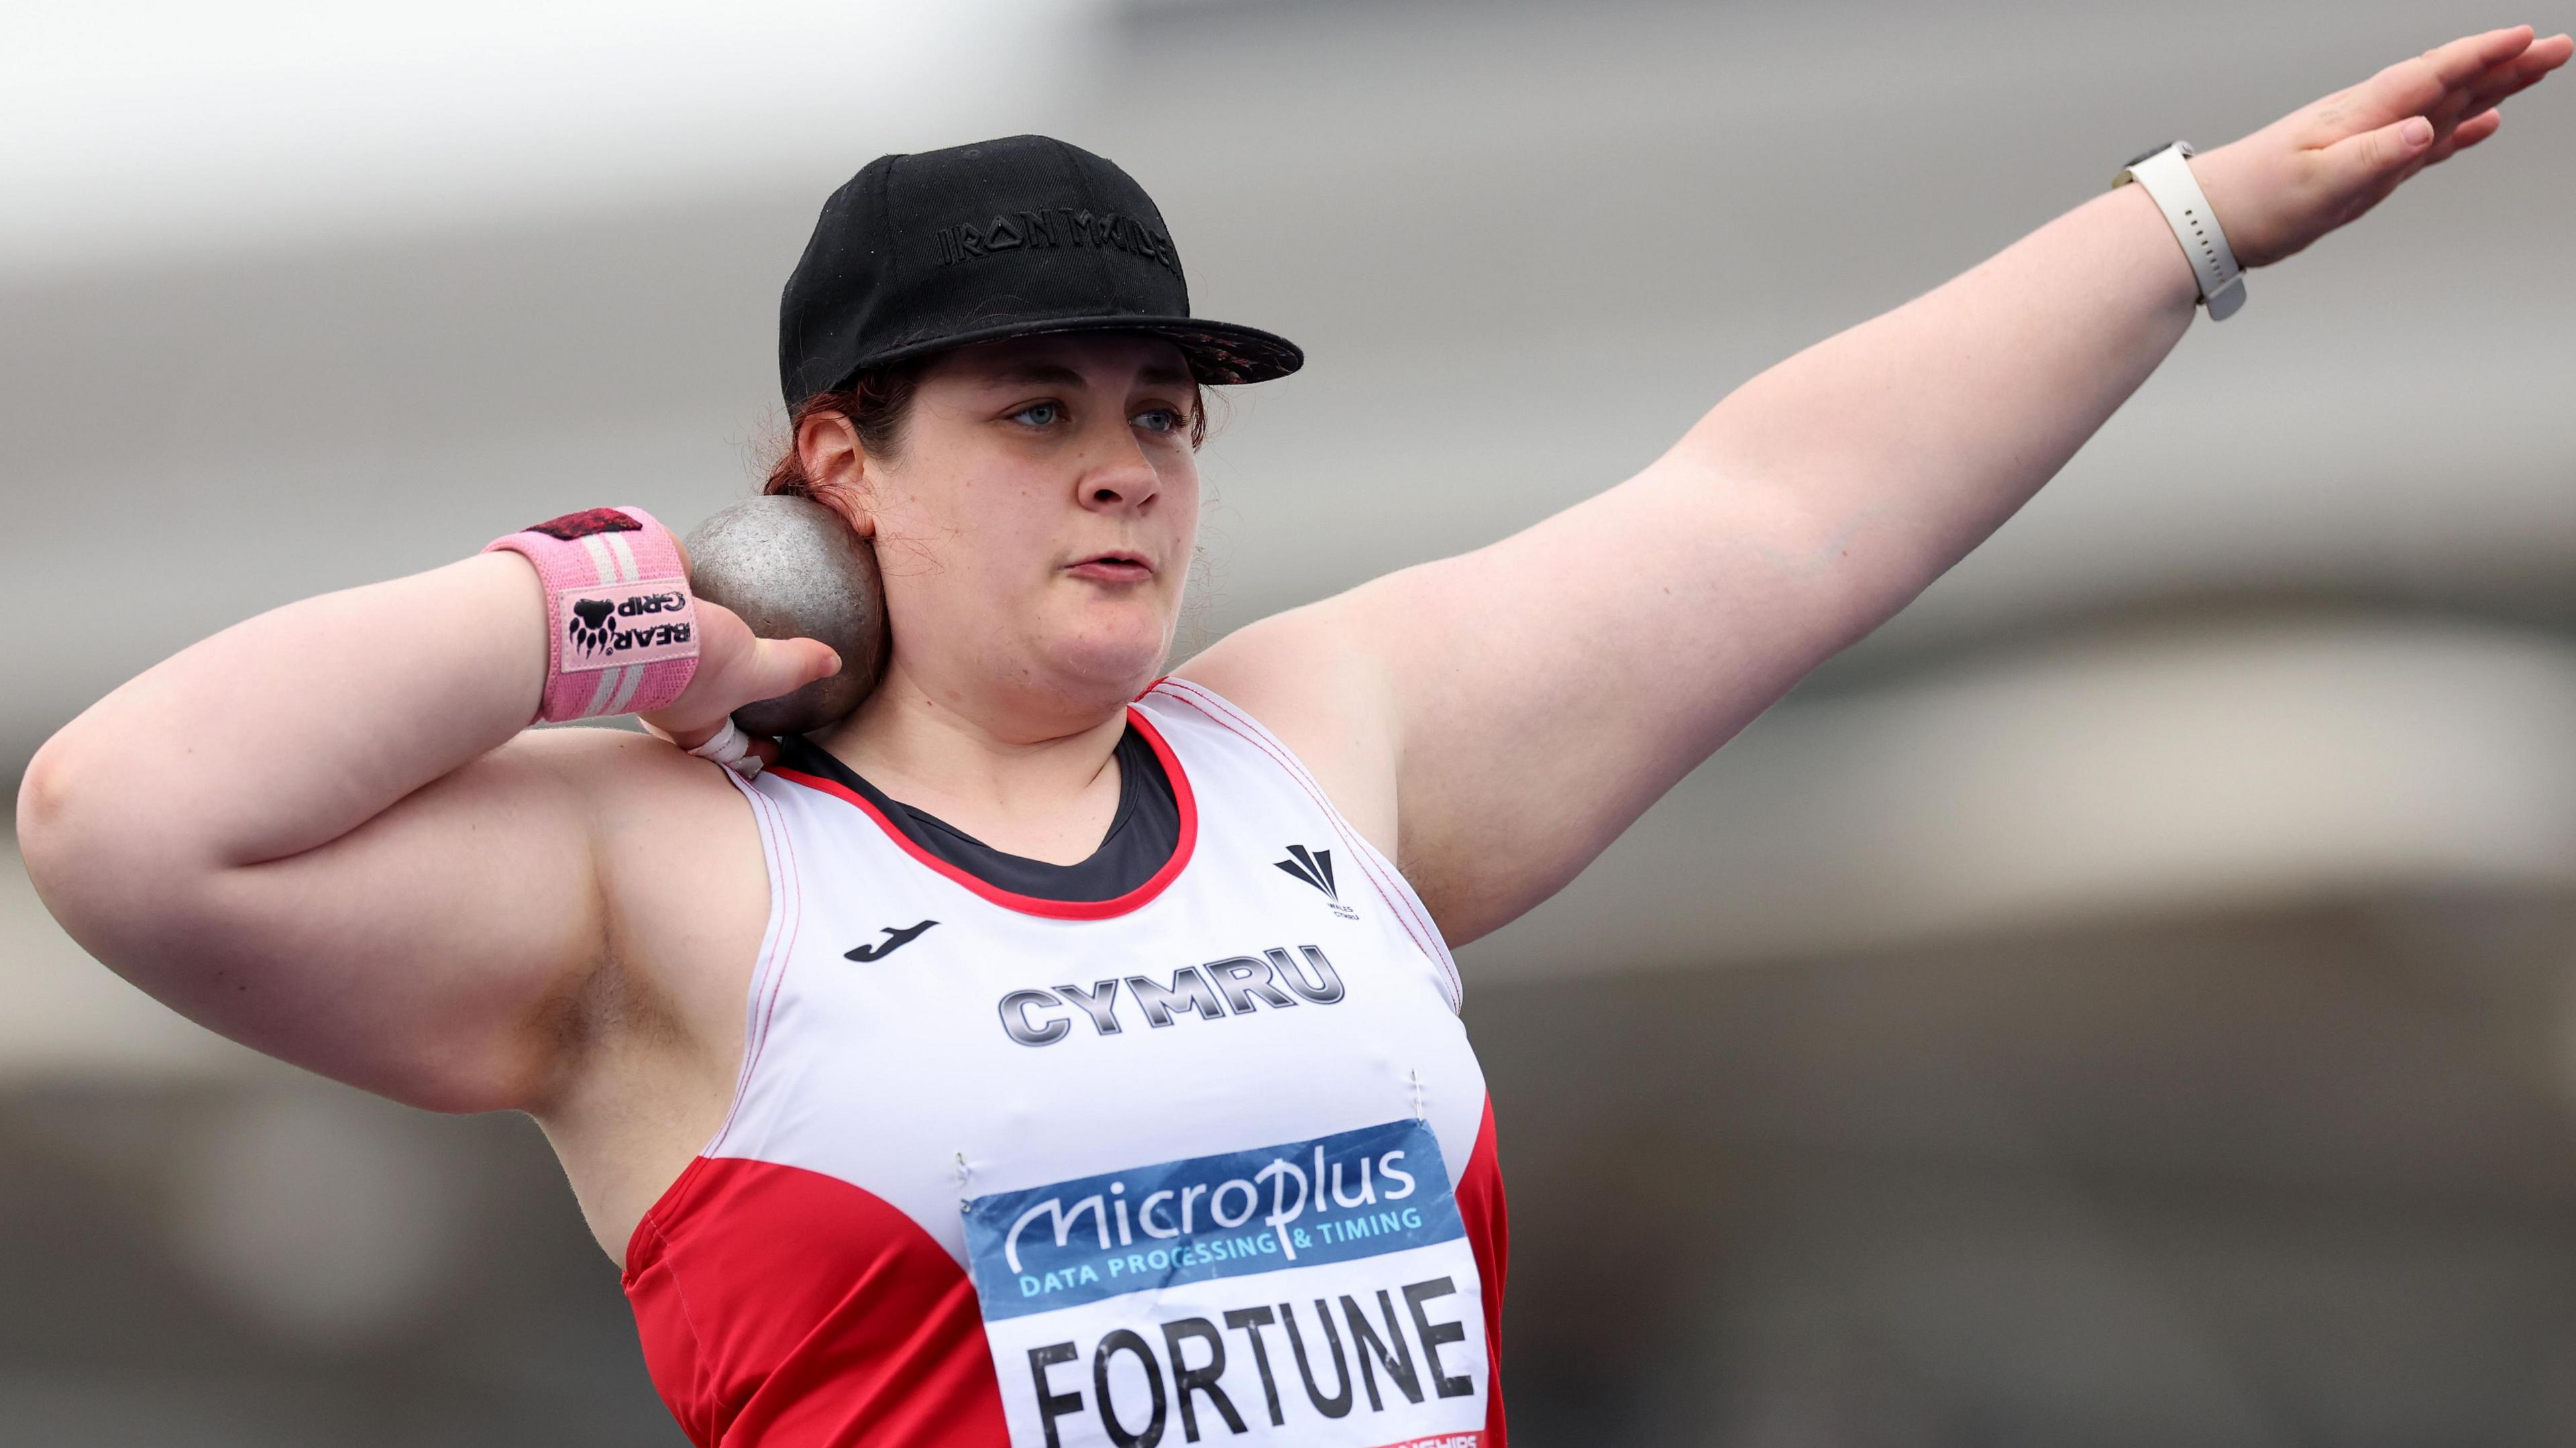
<point x="2131" y="999"/>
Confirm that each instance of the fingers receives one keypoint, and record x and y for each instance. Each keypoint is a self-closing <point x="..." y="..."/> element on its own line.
<point x="2321" y="167"/>
<point x="782" y="666"/>
<point x="2368" y="164"/>
<point x="771" y="668"/>
<point x="2521" y="73"/>
<point x="2473" y="130"/>
<point x="2421" y="85"/>
<point x="2543" y="57"/>
<point x="2476" y="109"/>
<point x="2472" y="55"/>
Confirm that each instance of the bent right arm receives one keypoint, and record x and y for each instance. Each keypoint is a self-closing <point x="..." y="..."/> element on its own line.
<point x="323" y="833"/>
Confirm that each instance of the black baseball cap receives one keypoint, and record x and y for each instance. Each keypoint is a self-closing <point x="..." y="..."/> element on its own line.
<point x="997" y="239"/>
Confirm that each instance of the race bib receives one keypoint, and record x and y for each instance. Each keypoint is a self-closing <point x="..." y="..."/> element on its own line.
<point x="1315" y="1292"/>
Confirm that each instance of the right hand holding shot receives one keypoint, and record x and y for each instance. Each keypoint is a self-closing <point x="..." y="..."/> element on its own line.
<point x="792" y="620"/>
<point x="737" y="667"/>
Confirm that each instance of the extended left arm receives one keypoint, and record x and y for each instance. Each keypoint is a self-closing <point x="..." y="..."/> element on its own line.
<point x="1498" y="718"/>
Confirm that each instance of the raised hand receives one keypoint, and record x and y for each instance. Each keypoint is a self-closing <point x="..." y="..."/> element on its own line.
<point x="2326" y="163"/>
<point x="737" y="668"/>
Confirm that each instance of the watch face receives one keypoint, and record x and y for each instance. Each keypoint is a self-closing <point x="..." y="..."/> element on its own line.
<point x="2151" y="151"/>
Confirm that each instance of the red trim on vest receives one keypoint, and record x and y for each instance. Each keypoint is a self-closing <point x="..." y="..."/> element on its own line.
<point x="1489" y="1236"/>
<point x="784" y="1307"/>
<point x="1030" y="904"/>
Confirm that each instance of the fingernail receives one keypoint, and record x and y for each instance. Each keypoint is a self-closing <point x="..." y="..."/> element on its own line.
<point x="836" y="663"/>
<point x="2417" y="131"/>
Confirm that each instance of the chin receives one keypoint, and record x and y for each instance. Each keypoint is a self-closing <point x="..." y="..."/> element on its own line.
<point x="1112" y="657"/>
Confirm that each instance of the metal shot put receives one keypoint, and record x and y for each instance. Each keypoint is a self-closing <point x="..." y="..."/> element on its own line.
<point x="792" y="569"/>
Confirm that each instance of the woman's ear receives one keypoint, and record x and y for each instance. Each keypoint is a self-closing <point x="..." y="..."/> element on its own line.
<point x="836" y="469"/>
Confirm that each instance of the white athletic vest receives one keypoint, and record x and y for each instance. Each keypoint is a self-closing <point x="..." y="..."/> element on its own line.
<point x="1210" y="1162"/>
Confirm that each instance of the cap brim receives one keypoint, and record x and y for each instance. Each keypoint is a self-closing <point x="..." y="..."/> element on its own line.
<point x="1220" y="354"/>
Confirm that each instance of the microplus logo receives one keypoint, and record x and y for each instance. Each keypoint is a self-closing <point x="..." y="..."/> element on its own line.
<point x="1331" y="1199"/>
<point x="1314" y="1292"/>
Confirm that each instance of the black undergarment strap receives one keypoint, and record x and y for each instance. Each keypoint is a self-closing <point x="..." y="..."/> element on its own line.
<point x="1141" y="838"/>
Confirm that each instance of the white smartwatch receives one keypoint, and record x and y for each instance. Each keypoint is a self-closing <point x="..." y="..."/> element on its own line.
<point x="2166" y="176"/>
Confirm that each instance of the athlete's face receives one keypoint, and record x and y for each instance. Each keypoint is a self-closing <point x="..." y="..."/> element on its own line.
<point x="1036" y="525"/>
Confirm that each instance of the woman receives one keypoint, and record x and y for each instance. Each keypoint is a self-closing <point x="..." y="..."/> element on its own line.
<point x="1048" y="1053"/>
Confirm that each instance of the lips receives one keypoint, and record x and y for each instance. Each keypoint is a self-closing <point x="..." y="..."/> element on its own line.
<point x="1116" y="567"/>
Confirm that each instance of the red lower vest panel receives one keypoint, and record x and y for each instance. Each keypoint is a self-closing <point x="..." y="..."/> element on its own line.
<point x="782" y="1308"/>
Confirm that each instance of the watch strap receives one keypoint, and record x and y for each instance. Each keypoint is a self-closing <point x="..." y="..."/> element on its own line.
<point x="2165" y="175"/>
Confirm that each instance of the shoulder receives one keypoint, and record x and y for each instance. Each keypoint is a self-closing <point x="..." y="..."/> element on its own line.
<point x="1300" y="678"/>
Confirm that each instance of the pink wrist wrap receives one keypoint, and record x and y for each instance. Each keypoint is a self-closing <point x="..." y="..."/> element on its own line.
<point x="621" y="624"/>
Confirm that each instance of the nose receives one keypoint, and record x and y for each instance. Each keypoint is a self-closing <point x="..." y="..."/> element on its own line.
<point x="1118" y="476"/>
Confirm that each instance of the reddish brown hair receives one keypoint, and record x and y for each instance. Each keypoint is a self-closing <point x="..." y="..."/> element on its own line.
<point x="876" y="405"/>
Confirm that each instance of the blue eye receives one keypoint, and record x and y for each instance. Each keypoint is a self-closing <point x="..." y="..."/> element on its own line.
<point x="1038" y="414"/>
<point x="1159" y="419"/>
